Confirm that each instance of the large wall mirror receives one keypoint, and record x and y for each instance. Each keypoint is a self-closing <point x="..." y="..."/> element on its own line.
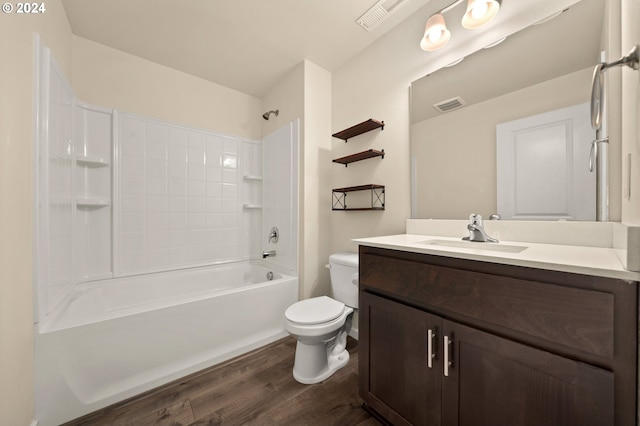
<point x="544" y="68"/>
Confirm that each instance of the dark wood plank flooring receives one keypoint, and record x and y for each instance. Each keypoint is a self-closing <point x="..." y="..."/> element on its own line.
<point x="257" y="388"/>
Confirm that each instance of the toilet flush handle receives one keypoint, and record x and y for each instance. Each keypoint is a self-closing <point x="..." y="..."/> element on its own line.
<point x="354" y="279"/>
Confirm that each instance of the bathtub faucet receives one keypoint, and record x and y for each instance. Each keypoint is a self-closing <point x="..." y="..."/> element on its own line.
<point x="269" y="253"/>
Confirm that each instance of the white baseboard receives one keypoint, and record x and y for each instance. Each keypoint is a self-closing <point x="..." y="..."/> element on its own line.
<point x="354" y="333"/>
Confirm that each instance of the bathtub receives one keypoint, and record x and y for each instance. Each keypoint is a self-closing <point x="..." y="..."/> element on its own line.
<point x="116" y="339"/>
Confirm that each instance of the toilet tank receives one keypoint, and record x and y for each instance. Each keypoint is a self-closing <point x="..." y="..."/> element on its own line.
<point x="343" y="269"/>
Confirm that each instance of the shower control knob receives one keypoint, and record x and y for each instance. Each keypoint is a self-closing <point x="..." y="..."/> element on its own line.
<point x="274" y="235"/>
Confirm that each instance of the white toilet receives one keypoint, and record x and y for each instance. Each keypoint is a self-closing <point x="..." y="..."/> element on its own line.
<point x="321" y="324"/>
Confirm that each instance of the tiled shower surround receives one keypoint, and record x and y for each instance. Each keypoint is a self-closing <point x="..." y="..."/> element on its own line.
<point x="119" y="194"/>
<point x="178" y="200"/>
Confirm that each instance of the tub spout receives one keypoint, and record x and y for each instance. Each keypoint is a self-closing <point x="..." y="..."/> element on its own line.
<point x="269" y="253"/>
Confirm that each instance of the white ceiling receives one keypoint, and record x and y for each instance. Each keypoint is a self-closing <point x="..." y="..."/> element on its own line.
<point x="246" y="45"/>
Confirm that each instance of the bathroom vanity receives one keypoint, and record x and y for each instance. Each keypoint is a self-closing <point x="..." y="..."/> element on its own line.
<point x="449" y="338"/>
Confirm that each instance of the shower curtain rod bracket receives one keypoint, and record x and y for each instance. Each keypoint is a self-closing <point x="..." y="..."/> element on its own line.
<point x="632" y="59"/>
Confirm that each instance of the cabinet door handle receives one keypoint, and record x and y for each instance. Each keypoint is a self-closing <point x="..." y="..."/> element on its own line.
<point x="430" y="354"/>
<point x="447" y="354"/>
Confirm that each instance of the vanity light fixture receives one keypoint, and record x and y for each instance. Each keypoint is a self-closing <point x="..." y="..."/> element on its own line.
<point x="436" y="34"/>
<point x="478" y="13"/>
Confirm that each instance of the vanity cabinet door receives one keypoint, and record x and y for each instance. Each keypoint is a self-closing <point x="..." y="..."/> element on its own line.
<point x="493" y="381"/>
<point x="396" y="379"/>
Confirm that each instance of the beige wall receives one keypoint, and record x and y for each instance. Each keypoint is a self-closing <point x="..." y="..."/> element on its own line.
<point x="372" y="85"/>
<point x="287" y="97"/>
<point x="16" y="199"/>
<point x="114" y="79"/>
<point x="457" y="150"/>
<point x="305" y="93"/>
<point x="316" y="201"/>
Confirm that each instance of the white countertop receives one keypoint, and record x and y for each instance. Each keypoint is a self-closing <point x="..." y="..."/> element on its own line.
<point x="597" y="261"/>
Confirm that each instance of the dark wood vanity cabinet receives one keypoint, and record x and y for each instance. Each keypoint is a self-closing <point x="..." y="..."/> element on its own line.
<point x="448" y="341"/>
<point x="396" y="381"/>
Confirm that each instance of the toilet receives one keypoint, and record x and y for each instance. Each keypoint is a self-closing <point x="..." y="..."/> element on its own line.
<point x="321" y="324"/>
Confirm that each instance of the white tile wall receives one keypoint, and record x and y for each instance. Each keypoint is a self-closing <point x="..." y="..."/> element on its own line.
<point x="280" y="194"/>
<point x="60" y="185"/>
<point x="179" y="196"/>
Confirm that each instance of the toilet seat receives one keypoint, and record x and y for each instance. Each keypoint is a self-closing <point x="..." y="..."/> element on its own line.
<point x="317" y="310"/>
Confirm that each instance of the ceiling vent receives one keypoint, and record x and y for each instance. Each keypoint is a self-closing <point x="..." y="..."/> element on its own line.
<point x="378" y="13"/>
<point x="450" y="104"/>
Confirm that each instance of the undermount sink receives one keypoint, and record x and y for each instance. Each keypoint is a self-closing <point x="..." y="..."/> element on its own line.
<point x="475" y="245"/>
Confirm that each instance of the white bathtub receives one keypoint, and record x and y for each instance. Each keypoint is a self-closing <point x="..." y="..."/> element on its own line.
<point x="125" y="336"/>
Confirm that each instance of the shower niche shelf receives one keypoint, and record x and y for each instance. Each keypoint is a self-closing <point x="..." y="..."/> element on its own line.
<point x="376" y="200"/>
<point x="91" y="161"/>
<point x="364" y="155"/>
<point x="92" y="202"/>
<point x="358" y="129"/>
<point x="252" y="182"/>
<point x="93" y="147"/>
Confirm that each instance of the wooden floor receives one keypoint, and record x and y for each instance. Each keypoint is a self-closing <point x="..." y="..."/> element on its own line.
<point x="254" y="389"/>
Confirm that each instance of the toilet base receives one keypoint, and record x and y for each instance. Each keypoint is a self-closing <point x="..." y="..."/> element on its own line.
<point x="314" y="365"/>
<point x="317" y="360"/>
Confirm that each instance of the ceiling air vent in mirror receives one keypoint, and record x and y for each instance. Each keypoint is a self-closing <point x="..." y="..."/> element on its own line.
<point x="450" y="104"/>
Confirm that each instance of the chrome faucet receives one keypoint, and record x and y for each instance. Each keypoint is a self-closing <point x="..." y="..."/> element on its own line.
<point x="269" y="253"/>
<point x="476" y="230"/>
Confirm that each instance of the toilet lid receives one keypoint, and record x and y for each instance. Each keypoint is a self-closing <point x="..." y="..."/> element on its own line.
<point x="314" y="311"/>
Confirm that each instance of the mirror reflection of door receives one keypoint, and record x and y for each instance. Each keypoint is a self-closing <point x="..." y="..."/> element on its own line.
<point x="543" y="166"/>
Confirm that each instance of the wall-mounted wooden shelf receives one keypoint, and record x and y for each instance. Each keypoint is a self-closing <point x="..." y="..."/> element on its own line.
<point x="339" y="195"/>
<point x="370" y="153"/>
<point x="377" y="197"/>
<point x="358" y="129"/>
